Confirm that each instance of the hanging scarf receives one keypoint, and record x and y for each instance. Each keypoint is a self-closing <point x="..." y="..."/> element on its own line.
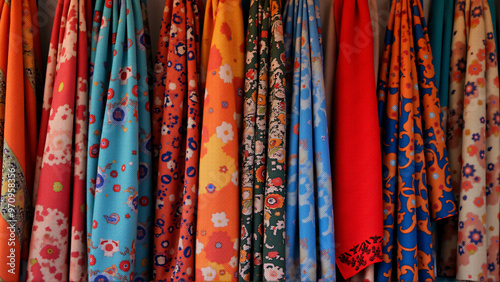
<point x="176" y="124"/>
<point x="309" y="222"/>
<point x="119" y="188"/>
<point x="473" y="142"/>
<point x="20" y="83"/>
<point x="218" y="217"/>
<point x="262" y="246"/>
<point x="416" y="186"/>
<point x="358" y="235"/>
<point x="59" y="222"/>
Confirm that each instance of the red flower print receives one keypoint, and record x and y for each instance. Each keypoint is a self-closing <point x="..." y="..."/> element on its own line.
<point x="94" y="151"/>
<point x="475" y="237"/>
<point x="92" y="260"/>
<point x="479" y="201"/>
<point x="50" y="252"/>
<point x="475" y="68"/>
<point x="116" y="188"/>
<point x="111" y="93"/>
<point x="481" y="55"/>
<point x="109" y="3"/>
<point x="274" y="201"/>
<point x="114" y="174"/>
<point x="273" y="254"/>
<point x="143" y="201"/>
<point x="223" y="169"/>
<point x="277" y="181"/>
<point x="123" y="167"/>
<point x="94" y="224"/>
<point x="91" y="119"/>
<point x="466" y="185"/>
<point x="261" y="173"/>
<point x="97" y="16"/>
<point x="125" y="265"/>
<point x="469" y="170"/>
<point x="104" y="143"/>
<point x="219" y="248"/>
<point x="134" y="90"/>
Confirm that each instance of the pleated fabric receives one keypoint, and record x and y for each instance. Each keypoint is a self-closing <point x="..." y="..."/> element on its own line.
<point x="218" y="217"/>
<point x="440" y="34"/>
<point x="416" y="178"/>
<point x="310" y="253"/>
<point x="357" y="155"/>
<point x="119" y="178"/>
<point x="263" y="176"/>
<point x="176" y="140"/>
<point x="60" y="178"/>
<point x="20" y="85"/>
<point x="474" y="146"/>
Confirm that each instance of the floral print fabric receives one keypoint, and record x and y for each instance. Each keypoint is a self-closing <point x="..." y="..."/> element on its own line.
<point x="310" y="253"/>
<point x="176" y="124"/>
<point x="119" y="178"/>
<point x="20" y="85"/>
<point x="474" y="146"/>
<point x="59" y="222"/>
<point x="262" y="245"/>
<point x="218" y="217"/>
<point x="416" y="186"/>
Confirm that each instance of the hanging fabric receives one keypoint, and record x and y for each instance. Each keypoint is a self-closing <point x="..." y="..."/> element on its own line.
<point x="176" y="127"/>
<point x="358" y="237"/>
<point x="416" y="186"/>
<point x="263" y="176"/>
<point x="119" y="184"/>
<point x="310" y="253"/>
<point x="20" y="85"/>
<point x="218" y="216"/>
<point x="59" y="222"/>
<point x="474" y="145"/>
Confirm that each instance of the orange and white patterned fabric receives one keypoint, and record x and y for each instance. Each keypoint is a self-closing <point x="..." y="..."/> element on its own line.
<point x="218" y="222"/>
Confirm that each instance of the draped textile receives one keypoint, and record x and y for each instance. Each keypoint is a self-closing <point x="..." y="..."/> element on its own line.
<point x="263" y="176"/>
<point x="176" y="127"/>
<point x="310" y="253"/>
<point x="20" y="57"/>
<point x="416" y="179"/>
<point x="358" y="237"/>
<point x="119" y="178"/>
<point x="218" y="217"/>
<point x="474" y="145"/>
<point x="440" y="34"/>
<point x="59" y="224"/>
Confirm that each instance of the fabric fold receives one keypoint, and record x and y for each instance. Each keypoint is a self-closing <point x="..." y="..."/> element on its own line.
<point x="356" y="141"/>
<point x="416" y="177"/>
<point x="474" y="145"/>
<point x="218" y="217"/>
<point x="20" y="85"/>
<point x="119" y="177"/>
<point x="263" y="176"/>
<point x="310" y="253"/>
<point x="58" y="230"/>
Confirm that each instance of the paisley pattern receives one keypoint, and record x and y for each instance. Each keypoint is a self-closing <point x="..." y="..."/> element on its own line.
<point x="310" y="253"/>
<point x="262" y="245"/>
<point x="176" y="124"/>
<point x="474" y="146"/>
<point x="358" y="237"/>
<point x="119" y="178"/>
<point x="59" y="222"/>
<point x="218" y="217"/>
<point x="416" y="178"/>
<point x="20" y="86"/>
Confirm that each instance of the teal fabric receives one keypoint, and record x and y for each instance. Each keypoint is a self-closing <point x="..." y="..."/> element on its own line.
<point x="440" y="26"/>
<point x="119" y="178"/>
